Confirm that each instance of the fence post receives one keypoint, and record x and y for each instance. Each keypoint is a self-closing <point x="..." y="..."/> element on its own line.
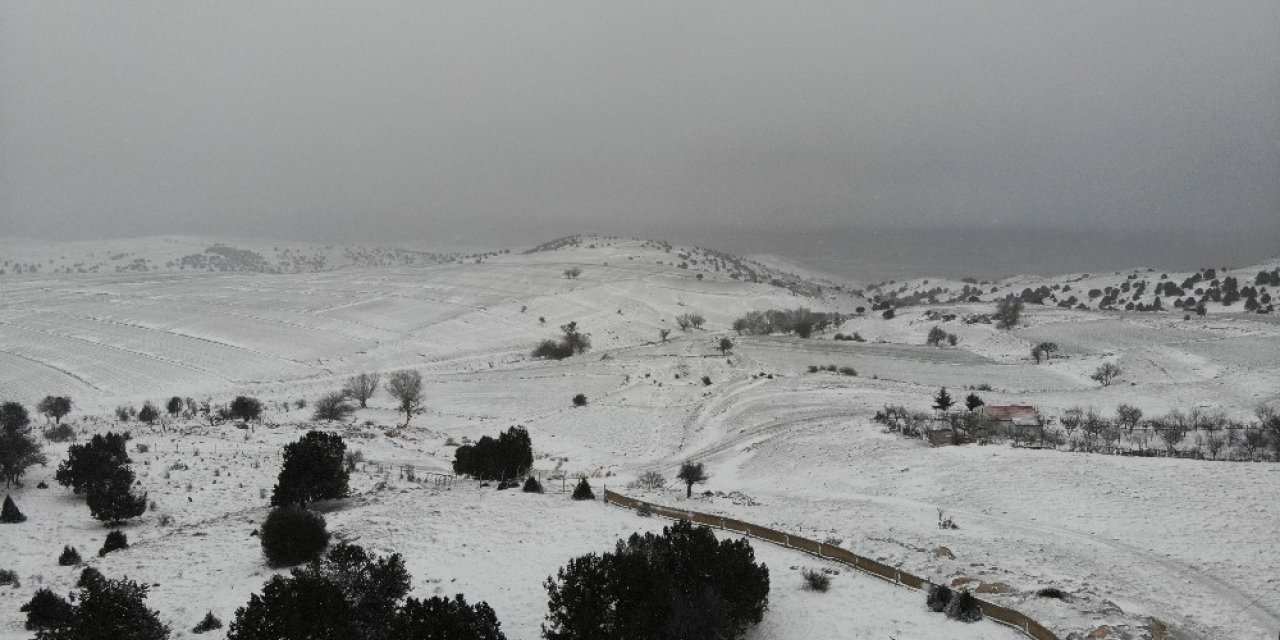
<point x="820" y="550"/>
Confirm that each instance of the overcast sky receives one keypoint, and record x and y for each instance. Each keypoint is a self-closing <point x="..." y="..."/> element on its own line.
<point x="376" y="121"/>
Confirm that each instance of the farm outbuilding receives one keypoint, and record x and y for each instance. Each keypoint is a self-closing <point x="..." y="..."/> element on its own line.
<point x="1013" y="420"/>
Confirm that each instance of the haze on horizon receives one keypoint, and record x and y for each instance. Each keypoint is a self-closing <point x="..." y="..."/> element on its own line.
<point x="489" y="121"/>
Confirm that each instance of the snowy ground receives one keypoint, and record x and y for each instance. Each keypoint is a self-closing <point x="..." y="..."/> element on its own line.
<point x="1189" y="543"/>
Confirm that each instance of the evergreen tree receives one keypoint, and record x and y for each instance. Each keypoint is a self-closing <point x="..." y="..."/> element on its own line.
<point x="531" y="485"/>
<point x="112" y="499"/>
<point x="583" y="490"/>
<point x="312" y="470"/>
<point x="291" y="535"/>
<point x="210" y="622"/>
<point x="972" y="402"/>
<point x="964" y="607"/>
<point x="508" y="456"/>
<point x="92" y="462"/>
<point x="69" y="557"/>
<point x="116" y="540"/>
<point x="9" y="514"/>
<point x="174" y="407"/>
<point x="939" y="597"/>
<point x="149" y="413"/>
<point x="18" y="447"/>
<point x="682" y="583"/>
<point x="246" y="408"/>
<point x="942" y="401"/>
<point x="46" y="610"/>
<point x="444" y="619"/>
<point x="108" y="610"/>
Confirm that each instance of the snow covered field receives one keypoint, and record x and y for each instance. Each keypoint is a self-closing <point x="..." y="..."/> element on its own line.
<point x="1187" y="543"/>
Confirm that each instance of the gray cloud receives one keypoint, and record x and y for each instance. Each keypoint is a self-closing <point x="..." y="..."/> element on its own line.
<point x="381" y="121"/>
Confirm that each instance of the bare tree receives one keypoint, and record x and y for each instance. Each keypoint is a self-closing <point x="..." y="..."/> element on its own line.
<point x="406" y="387"/>
<point x="688" y="321"/>
<point x="1071" y="419"/>
<point x="691" y="473"/>
<point x="1107" y="372"/>
<point x="1214" y="443"/>
<point x="362" y="387"/>
<point x="663" y="333"/>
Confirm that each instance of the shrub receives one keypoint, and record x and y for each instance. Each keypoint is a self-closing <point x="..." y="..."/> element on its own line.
<point x="9" y="577"/>
<point x="116" y="540"/>
<point x="209" y="623"/>
<point x="651" y="480"/>
<point x="69" y="557"/>
<point x="573" y="341"/>
<point x="644" y="510"/>
<point x="1052" y="592"/>
<point x="706" y="381"/>
<point x="46" y="610"/>
<point x="815" y="579"/>
<point x="9" y="514"/>
<point x="580" y="400"/>
<point x="682" y="583"/>
<point x="332" y="406"/>
<point x="939" y="597"/>
<point x="246" y="408"/>
<point x="964" y="607"/>
<point x="848" y="371"/>
<point x="60" y="433"/>
<point x="583" y="490"/>
<point x="108" y="609"/>
<point x="112" y="499"/>
<point x="531" y="485"/>
<point x="313" y="470"/>
<point x="509" y="456"/>
<point x="90" y="463"/>
<point x="291" y="535"/>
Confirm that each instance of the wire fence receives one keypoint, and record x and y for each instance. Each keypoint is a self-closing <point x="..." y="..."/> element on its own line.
<point x="894" y="575"/>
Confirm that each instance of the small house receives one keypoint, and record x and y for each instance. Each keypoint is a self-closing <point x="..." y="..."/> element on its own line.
<point x="1014" y="420"/>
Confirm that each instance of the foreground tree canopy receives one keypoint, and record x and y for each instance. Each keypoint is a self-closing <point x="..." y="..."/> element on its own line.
<point x="680" y="585"/>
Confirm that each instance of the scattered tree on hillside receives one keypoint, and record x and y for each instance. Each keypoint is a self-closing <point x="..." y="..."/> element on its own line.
<point x="1008" y="311"/>
<point x="1043" y="351"/>
<point x="46" y="610"/>
<point x="149" y="413"/>
<point x="572" y="272"/>
<point x="972" y="402"/>
<point x="362" y="387"/>
<point x="663" y="333"/>
<point x="245" y="408"/>
<point x="573" y="341"/>
<point x="691" y="473"/>
<point x="936" y="336"/>
<point x="174" y="406"/>
<point x="942" y="400"/>
<point x="55" y="407"/>
<point x="19" y="449"/>
<point x="688" y="321"/>
<point x="332" y="406"/>
<point x="682" y="583"/>
<point x="313" y="470"/>
<point x="1106" y="373"/>
<point x="725" y="345"/>
<point x="406" y="387"/>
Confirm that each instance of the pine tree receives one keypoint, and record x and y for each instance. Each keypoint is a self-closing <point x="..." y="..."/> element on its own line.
<point x="972" y="402"/>
<point x="531" y="485"/>
<point x="69" y="557"/>
<point x="583" y="490"/>
<point x="444" y="619"/>
<point x="291" y="535"/>
<point x="10" y="514"/>
<point x="210" y="622"/>
<point x="942" y="401"/>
